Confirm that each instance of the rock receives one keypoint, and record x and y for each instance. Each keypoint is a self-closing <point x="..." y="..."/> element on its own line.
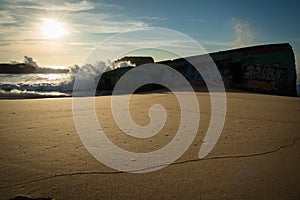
<point x="19" y="68"/>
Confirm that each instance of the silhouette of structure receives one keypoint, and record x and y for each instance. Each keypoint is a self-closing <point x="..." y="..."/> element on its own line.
<point x="265" y="69"/>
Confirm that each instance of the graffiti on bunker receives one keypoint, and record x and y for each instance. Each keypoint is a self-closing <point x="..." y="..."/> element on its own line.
<point x="265" y="68"/>
<point x="265" y="76"/>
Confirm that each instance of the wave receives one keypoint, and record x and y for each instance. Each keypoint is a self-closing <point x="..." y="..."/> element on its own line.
<point x="54" y="81"/>
<point x="63" y="87"/>
<point x="51" y="70"/>
<point x="24" y="94"/>
<point x="35" y="85"/>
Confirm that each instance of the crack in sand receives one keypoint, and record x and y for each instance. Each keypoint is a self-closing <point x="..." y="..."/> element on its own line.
<point x="175" y="163"/>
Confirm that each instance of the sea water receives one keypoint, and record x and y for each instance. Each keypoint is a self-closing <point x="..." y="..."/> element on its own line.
<point x="43" y="85"/>
<point x="46" y="85"/>
<point x="18" y="86"/>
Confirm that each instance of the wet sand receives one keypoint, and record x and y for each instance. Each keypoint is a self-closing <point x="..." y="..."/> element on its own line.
<point x="256" y="157"/>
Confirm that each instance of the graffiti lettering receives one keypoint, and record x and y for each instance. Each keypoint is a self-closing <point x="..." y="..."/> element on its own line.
<point x="269" y="72"/>
<point x="264" y="85"/>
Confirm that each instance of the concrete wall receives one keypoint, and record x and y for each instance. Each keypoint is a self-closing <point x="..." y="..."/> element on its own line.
<point x="109" y="79"/>
<point x="265" y="69"/>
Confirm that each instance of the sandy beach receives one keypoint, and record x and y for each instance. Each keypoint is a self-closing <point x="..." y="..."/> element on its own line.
<point x="256" y="157"/>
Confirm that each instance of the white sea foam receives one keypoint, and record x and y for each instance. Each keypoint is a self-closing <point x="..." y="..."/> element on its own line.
<point x="35" y="85"/>
<point x="43" y="84"/>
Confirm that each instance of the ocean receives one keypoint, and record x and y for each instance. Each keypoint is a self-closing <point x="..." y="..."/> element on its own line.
<point x="47" y="85"/>
<point x="20" y="86"/>
<point x="43" y="85"/>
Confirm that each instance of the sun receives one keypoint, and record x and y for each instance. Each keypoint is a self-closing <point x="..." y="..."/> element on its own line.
<point x="53" y="29"/>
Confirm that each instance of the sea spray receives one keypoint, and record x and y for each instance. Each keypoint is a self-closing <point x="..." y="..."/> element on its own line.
<point x="45" y="84"/>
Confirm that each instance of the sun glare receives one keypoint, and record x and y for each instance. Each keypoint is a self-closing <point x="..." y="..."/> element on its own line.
<point x="53" y="29"/>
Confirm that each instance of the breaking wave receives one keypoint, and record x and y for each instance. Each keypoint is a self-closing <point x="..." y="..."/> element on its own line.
<point x="45" y="84"/>
<point x="35" y="85"/>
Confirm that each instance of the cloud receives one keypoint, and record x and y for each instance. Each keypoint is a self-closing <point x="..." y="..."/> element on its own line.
<point x="55" y="6"/>
<point x="243" y="33"/>
<point x="88" y="22"/>
<point x="242" y="36"/>
<point x="153" y="18"/>
<point x="104" y="23"/>
<point x="20" y="19"/>
<point x="6" y="17"/>
<point x="94" y="44"/>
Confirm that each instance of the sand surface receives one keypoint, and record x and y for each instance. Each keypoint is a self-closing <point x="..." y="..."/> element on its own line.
<point x="256" y="157"/>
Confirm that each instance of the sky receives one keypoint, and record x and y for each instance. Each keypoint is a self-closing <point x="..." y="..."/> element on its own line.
<point x="82" y="25"/>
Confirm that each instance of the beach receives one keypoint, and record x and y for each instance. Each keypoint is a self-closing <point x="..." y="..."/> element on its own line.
<point x="256" y="157"/>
